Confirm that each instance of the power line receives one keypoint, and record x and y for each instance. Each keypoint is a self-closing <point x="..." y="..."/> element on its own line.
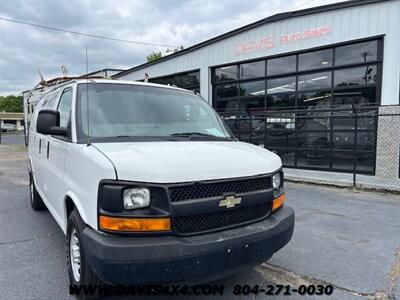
<point x="86" y="34"/>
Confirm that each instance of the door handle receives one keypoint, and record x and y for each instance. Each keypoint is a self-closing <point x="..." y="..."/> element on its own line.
<point x="40" y="145"/>
<point x="48" y="149"/>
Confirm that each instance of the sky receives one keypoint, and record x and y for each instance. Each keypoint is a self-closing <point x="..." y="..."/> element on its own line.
<point x="24" y="48"/>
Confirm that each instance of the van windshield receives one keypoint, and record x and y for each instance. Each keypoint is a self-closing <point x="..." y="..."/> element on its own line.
<point x="122" y="110"/>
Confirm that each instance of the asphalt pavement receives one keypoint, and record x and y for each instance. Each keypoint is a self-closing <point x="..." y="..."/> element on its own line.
<point x="12" y="139"/>
<point x="350" y="240"/>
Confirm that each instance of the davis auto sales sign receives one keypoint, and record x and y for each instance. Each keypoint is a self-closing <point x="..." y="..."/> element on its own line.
<point x="269" y="42"/>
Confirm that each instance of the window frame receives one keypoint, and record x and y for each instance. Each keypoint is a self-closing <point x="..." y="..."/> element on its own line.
<point x="297" y="152"/>
<point x="67" y="138"/>
<point x="194" y="87"/>
<point x="378" y="63"/>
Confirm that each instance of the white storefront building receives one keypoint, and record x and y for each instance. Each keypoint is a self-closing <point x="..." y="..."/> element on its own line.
<point x="334" y="55"/>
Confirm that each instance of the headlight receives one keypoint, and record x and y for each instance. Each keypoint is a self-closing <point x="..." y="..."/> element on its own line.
<point x="276" y="181"/>
<point x="136" y="198"/>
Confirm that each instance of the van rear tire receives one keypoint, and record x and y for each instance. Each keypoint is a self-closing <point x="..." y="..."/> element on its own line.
<point x="79" y="272"/>
<point x="36" y="201"/>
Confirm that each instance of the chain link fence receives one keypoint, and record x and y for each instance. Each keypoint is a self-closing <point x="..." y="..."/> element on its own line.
<point x="351" y="146"/>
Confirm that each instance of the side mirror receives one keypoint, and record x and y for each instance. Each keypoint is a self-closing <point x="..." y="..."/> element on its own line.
<point x="48" y="122"/>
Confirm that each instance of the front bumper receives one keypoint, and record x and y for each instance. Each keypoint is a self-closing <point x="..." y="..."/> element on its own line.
<point x="172" y="259"/>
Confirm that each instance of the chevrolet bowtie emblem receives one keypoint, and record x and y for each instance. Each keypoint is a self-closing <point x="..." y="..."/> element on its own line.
<point x="230" y="201"/>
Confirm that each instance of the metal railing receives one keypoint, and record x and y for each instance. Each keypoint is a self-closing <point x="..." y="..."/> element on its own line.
<point x="347" y="145"/>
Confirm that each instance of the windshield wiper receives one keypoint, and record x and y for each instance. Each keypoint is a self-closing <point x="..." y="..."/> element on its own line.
<point x="144" y="137"/>
<point x="191" y="134"/>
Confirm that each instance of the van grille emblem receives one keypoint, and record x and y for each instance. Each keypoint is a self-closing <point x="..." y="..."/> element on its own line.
<point x="230" y="201"/>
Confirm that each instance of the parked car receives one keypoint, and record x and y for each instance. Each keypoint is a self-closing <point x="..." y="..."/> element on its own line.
<point x="8" y="127"/>
<point x="315" y="134"/>
<point x="150" y="187"/>
<point x="275" y="135"/>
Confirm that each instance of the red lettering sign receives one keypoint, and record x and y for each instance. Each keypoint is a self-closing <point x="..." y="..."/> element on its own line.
<point x="252" y="46"/>
<point x="268" y="42"/>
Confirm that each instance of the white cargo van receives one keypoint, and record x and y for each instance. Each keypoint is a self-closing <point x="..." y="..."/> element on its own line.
<point x="149" y="185"/>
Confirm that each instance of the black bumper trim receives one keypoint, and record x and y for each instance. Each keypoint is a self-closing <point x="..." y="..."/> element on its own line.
<point x="171" y="259"/>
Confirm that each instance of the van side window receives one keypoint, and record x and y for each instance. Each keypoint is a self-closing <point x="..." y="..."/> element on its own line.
<point x="46" y="99"/>
<point x="52" y="99"/>
<point x="64" y="107"/>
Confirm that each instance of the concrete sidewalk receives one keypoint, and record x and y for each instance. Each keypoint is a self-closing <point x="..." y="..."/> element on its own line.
<point x="346" y="239"/>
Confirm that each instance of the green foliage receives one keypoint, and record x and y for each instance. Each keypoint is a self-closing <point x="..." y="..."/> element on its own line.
<point x="153" y="56"/>
<point x="11" y="103"/>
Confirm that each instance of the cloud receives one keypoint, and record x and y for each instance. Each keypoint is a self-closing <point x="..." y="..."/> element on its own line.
<point x="24" y="48"/>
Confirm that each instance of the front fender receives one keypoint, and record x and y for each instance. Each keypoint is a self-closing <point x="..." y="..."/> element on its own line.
<point x="78" y="206"/>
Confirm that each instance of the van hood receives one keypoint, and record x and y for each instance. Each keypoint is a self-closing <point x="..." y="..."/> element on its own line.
<point x="172" y="162"/>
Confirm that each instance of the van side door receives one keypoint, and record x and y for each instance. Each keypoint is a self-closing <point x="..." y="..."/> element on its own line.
<point x="55" y="156"/>
<point x="36" y="147"/>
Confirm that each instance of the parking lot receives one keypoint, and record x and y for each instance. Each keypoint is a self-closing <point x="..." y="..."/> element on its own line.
<point x="12" y="138"/>
<point x="348" y="239"/>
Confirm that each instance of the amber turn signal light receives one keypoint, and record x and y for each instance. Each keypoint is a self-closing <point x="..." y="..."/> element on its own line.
<point x="134" y="224"/>
<point x="278" y="202"/>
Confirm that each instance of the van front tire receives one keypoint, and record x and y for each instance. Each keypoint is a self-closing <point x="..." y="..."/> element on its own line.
<point x="79" y="272"/>
<point x="36" y="201"/>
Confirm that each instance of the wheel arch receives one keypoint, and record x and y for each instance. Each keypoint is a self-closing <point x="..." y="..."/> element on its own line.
<point x="30" y="170"/>
<point x="71" y="201"/>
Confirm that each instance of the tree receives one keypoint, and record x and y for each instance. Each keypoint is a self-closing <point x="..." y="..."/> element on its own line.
<point x="153" y="56"/>
<point x="11" y="103"/>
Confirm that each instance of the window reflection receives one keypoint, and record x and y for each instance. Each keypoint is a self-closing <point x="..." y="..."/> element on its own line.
<point x="356" y="76"/>
<point x="356" y="53"/>
<point x="281" y="65"/>
<point x="316" y="115"/>
<point x="227" y="105"/>
<point x="252" y="104"/>
<point x="252" y="70"/>
<point x="279" y="85"/>
<point x="355" y="96"/>
<point x="315" y="60"/>
<point x="314" y="81"/>
<point x="321" y="99"/>
<point x="228" y="73"/>
<point x="189" y="81"/>
<point x="320" y="135"/>
<point x="281" y="100"/>
<point x="227" y="90"/>
<point x="252" y="88"/>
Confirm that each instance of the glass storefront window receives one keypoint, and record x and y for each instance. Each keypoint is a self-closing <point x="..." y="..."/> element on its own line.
<point x="286" y="155"/>
<point x="175" y="80"/>
<point x="356" y="96"/>
<point x="227" y="90"/>
<point x="280" y="135"/>
<point x="229" y="73"/>
<point x="281" y="65"/>
<point x="314" y="81"/>
<point x="281" y="100"/>
<point x="320" y="96"/>
<point x="252" y="88"/>
<point x="356" y="53"/>
<point x="320" y="99"/>
<point x="227" y="105"/>
<point x="345" y="120"/>
<point x="281" y="85"/>
<point x="252" y="70"/>
<point x="315" y="60"/>
<point x="315" y="115"/>
<point x="313" y="158"/>
<point x="190" y="79"/>
<point x="252" y="104"/>
<point x="355" y="76"/>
